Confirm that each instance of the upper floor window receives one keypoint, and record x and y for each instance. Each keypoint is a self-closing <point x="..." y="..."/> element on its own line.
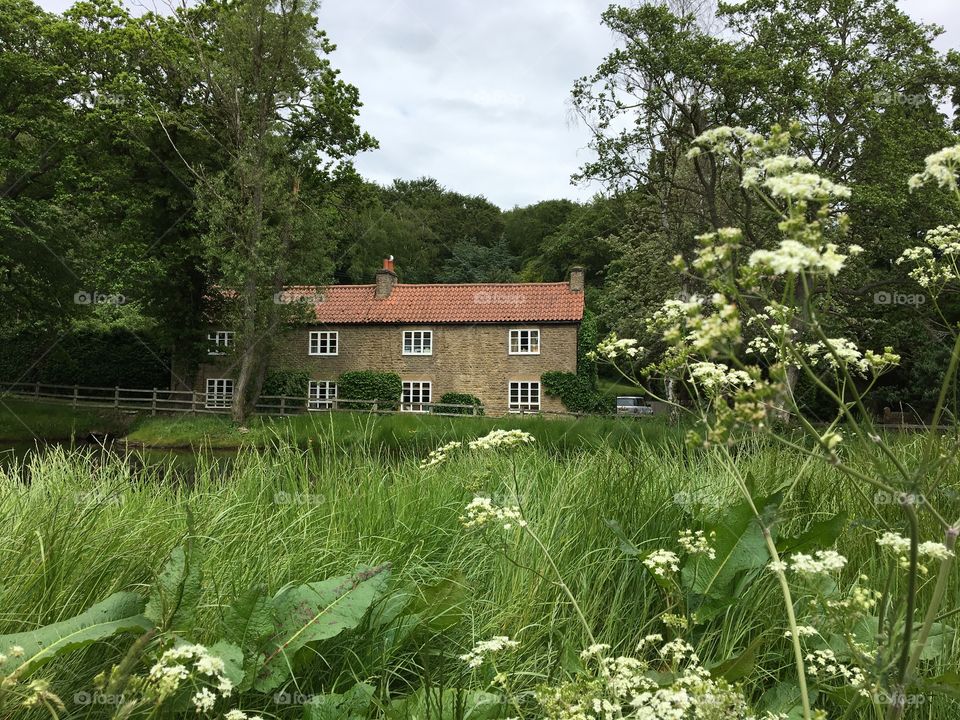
<point x="418" y="342"/>
<point x="324" y="342"/>
<point x="416" y="396"/>
<point x="219" y="341"/>
<point x="322" y="393"/>
<point x="525" y="341"/>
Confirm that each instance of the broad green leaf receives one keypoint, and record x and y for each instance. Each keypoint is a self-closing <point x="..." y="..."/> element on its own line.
<point x="741" y="666"/>
<point x="173" y="600"/>
<point x="449" y="704"/>
<point x="784" y="698"/>
<point x="351" y="705"/>
<point x="739" y="547"/>
<point x="121" y="612"/>
<point x="820" y="534"/>
<point x="316" y="611"/>
<point x="947" y="683"/>
<point x="247" y="621"/>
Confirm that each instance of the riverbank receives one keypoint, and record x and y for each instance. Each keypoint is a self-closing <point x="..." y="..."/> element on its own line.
<point x="25" y="422"/>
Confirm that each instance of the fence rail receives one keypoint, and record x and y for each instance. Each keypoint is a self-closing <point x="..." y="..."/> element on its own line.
<point x="156" y="400"/>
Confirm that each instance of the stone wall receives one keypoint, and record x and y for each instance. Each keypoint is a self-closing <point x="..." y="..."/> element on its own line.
<point x="466" y="358"/>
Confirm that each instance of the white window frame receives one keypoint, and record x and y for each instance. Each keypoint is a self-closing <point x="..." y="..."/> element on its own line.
<point x="531" y="334"/>
<point x="220" y="339"/>
<point x="523" y="405"/>
<point x="407" y="402"/>
<point x="314" y="342"/>
<point x="221" y="394"/>
<point x="410" y="345"/>
<point x="325" y="400"/>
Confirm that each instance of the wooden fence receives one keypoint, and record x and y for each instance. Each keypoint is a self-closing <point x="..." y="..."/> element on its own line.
<point x="157" y="400"/>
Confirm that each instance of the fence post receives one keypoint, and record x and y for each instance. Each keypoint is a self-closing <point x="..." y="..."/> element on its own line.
<point x="283" y="405"/>
<point x="76" y="392"/>
<point x="153" y="402"/>
<point x="36" y="390"/>
<point x="116" y="396"/>
<point x="373" y="408"/>
<point x="193" y="401"/>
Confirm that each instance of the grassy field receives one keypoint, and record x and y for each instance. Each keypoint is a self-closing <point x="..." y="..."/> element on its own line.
<point x="84" y="528"/>
<point x="25" y="422"/>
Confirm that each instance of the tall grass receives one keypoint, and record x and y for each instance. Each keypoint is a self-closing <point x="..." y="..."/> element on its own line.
<point x="85" y="526"/>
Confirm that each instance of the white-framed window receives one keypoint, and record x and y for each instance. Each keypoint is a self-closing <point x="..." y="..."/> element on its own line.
<point x="525" y="341"/>
<point x="219" y="392"/>
<point x="218" y="342"/>
<point x="324" y="342"/>
<point x="415" y="394"/>
<point x="524" y="396"/>
<point x="418" y="342"/>
<point x="321" y="394"/>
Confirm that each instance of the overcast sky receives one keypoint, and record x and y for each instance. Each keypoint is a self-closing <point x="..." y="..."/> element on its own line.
<point x="476" y="94"/>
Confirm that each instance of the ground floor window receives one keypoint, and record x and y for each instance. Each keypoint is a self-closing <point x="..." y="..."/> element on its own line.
<point x="321" y="394"/>
<point x="415" y="394"/>
<point x="525" y="396"/>
<point x="219" y="392"/>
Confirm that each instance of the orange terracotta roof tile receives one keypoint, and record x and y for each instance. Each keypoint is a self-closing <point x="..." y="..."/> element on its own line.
<point x="474" y="303"/>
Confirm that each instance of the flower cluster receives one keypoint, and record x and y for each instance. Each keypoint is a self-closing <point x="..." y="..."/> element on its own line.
<point x="793" y="256"/>
<point x="840" y="351"/>
<point x="941" y="168"/>
<point x="716" y="377"/>
<point x="662" y="562"/>
<point x="499" y="439"/>
<point x="613" y="347"/>
<point x="484" y="648"/>
<point x="823" y="562"/>
<point x="935" y="265"/>
<point x="435" y="457"/>
<point x="481" y="511"/>
<point x="240" y="715"/>
<point x="189" y="661"/>
<point x="698" y="325"/>
<point x="697" y="543"/>
<point x="899" y="546"/>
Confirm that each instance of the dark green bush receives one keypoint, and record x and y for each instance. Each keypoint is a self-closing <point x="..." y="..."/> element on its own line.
<point x="452" y="398"/>
<point x="86" y="357"/>
<point x="385" y="387"/>
<point x="292" y="383"/>
<point x="577" y="393"/>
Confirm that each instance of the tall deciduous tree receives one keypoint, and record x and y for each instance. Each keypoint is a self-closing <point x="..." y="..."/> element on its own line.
<point x="286" y="123"/>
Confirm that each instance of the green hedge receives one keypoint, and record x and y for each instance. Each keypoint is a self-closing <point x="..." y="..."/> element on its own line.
<point x="292" y="383"/>
<point x="452" y="398"/>
<point x="93" y="358"/>
<point x="577" y="393"/>
<point x="385" y="387"/>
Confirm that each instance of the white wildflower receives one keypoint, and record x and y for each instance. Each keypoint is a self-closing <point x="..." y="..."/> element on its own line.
<point x="482" y="649"/>
<point x="482" y="511"/>
<point x="661" y="562"/>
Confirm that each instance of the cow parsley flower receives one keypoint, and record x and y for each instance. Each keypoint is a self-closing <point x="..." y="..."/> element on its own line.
<point x="941" y="168"/>
<point x="498" y="439"/>
<point x="204" y="700"/>
<point x="822" y="562"/>
<point x="435" y="457"/>
<point x="793" y="256"/>
<point x="662" y="562"/>
<point x="803" y="187"/>
<point x="481" y="511"/>
<point x="484" y="648"/>
<point x="697" y="543"/>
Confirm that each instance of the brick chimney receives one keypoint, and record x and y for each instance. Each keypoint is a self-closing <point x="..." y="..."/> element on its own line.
<point x="576" y="278"/>
<point x="386" y="279"/>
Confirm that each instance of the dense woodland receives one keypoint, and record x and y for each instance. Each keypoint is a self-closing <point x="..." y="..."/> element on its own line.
<point x="148" y="159"/>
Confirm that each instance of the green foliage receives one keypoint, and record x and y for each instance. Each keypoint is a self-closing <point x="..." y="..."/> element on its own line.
<point x="351" y="705"/>
<point x="312" y="612"/>
<point x="577" y="393"/>
<point x="588" y="335"/>
<point x="385" y="387"/>
<point x="453" y="398"/>
<point x="290" y="383"/>
<point x="111" y="358"/>
<point x="172" y="604"/>
<point x="119" y="613"/>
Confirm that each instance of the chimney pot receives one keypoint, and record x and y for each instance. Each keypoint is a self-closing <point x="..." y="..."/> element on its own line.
<point x="576" y="278"/>
<point x="388" y="263"/>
